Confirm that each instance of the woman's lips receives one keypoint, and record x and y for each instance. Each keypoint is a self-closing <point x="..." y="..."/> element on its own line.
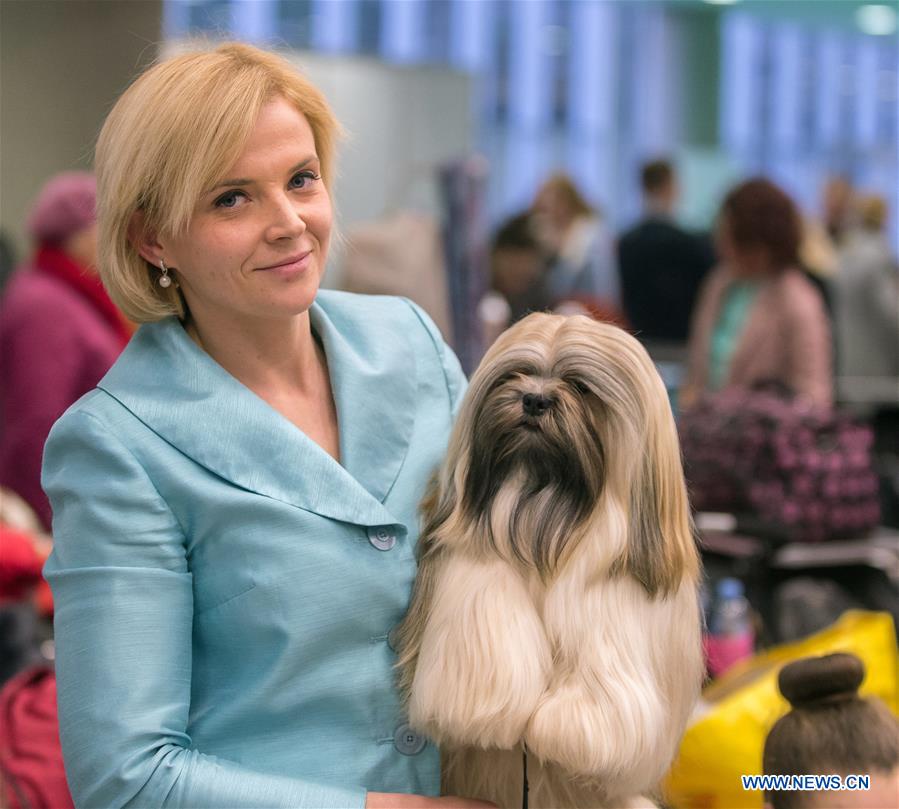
<point x="294" y="265"/>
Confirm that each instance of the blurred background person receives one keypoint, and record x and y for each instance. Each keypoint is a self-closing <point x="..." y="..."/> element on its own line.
<point x="867" y="297"/>
<point x="821" y="238"/>
<point x="837" y="207"/>
<point x="818" y="260"/>
<point x="31" y="767"/>
<point x="59" y="331"/>
<point x="7" y="259"/>
<point x="661" y="265"/>
<point x="577" y="245"/>
<point x="758" y="318"/>
<point x="516" y="269"/>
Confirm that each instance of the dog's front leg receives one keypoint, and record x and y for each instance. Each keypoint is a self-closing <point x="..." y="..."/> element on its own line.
<point x="484" y="661"/>
<point x="628" y="671"/>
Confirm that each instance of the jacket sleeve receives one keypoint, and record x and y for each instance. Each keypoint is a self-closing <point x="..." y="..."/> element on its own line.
<point x="124" y="610"/>
<point x="456" y="383"/>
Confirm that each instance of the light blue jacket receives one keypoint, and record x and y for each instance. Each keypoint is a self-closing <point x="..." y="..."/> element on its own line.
<point x="225" y="590"/>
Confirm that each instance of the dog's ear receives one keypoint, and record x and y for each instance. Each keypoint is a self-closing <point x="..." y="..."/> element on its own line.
<point x="431" y="514"/>
<point x="661" y="548"/>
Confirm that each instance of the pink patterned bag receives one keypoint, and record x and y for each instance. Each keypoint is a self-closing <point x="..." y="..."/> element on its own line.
<point x="798" y="473"/>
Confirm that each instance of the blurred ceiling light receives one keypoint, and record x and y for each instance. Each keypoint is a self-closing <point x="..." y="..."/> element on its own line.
<point x="721" y="2"/>
<point x="878" y="20"/>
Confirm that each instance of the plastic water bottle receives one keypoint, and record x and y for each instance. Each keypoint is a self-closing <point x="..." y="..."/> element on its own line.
<point x="731" y="637"/>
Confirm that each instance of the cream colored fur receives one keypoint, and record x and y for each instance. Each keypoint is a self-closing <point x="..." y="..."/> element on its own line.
<point x="574" y="632"/>
<point x="474" y="682"/>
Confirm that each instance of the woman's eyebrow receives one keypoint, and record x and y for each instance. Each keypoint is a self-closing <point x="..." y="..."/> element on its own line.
<point x="243" y="181"/>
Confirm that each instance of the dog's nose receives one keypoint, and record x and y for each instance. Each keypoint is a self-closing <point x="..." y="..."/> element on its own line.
<point x="535" y="404"/>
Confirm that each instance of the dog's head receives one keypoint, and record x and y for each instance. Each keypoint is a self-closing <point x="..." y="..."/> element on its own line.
<point x="566" y="432"/>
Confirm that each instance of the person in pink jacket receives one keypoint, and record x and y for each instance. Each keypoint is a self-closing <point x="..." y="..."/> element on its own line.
<point x="758" y="318"/>
<point x="59" y="331"/>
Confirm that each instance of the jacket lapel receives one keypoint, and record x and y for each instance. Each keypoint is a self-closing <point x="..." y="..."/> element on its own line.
<point x="374" y="379"/>
<point x="190" y="401"/>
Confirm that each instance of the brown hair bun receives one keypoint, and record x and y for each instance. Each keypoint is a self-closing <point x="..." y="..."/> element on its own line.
<point x="815" y="681"/>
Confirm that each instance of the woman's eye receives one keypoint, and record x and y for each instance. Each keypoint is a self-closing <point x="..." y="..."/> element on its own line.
<point x="229" y="200"/>
<point x="302" y="178"/>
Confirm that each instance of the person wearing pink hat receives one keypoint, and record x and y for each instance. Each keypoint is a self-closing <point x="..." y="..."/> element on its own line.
<point x="59" y="331"/>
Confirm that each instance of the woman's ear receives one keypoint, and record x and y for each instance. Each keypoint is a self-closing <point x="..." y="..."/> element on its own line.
<point x="144" y="239"/>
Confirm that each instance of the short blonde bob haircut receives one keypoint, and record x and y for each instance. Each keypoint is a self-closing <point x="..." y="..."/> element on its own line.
<point x="174" y="133"/>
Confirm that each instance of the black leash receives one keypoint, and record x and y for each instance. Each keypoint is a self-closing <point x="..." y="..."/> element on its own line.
<point x="524" y="791"/>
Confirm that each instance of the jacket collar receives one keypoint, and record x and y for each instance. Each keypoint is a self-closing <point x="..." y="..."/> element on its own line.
<point x="190" y="401"/>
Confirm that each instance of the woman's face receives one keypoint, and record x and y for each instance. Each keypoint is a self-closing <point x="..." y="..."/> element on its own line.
<point x="257" y="242"/>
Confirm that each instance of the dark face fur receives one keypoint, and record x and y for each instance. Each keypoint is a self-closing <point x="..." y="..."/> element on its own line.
<point x="535" y="431"/>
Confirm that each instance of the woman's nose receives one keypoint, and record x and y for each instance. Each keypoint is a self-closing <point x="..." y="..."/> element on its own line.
<point x="286" y="219"/>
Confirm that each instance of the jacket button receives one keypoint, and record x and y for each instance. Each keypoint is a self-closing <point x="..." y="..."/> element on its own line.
<point x="407" y="741"/>
<point x="381" y="538"/>
<point x="393" y="638"/>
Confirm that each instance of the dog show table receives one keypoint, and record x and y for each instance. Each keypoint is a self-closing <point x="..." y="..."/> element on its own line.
<point x="719" y="533"/>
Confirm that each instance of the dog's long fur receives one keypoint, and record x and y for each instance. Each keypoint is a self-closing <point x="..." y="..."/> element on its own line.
<point x="555" y="605"/>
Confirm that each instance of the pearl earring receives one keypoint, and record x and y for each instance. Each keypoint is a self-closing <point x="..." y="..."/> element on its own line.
<point x="164" y="281"/>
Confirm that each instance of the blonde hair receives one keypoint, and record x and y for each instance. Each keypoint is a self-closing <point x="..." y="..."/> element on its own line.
<point x="173" y="134"/>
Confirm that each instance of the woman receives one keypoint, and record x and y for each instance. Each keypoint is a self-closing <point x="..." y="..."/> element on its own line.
<point x="59" y="331"/>
<point x="235" y="504"/>
<point x="758" y="319"/>
<point x="867" y="297"/>
<point x="581" y="264"/>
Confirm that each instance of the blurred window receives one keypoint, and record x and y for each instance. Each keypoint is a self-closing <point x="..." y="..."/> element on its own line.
<point x="803" y="104"/>
<point x="596" y="86"/>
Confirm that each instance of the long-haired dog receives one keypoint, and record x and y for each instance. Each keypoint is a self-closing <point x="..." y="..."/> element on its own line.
<point x="555" y="609"/>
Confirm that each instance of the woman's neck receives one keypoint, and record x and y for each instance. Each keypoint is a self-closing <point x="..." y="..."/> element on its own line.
<point x="270" y="357"/>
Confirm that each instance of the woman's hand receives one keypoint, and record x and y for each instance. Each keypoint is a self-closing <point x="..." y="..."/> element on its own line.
<point x="392" y="800"/>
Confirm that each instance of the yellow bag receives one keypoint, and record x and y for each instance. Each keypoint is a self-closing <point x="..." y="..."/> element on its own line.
<point x="726" y="741"/>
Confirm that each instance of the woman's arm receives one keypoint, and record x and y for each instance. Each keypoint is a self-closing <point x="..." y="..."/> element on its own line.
<point x="124" y="610"/>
